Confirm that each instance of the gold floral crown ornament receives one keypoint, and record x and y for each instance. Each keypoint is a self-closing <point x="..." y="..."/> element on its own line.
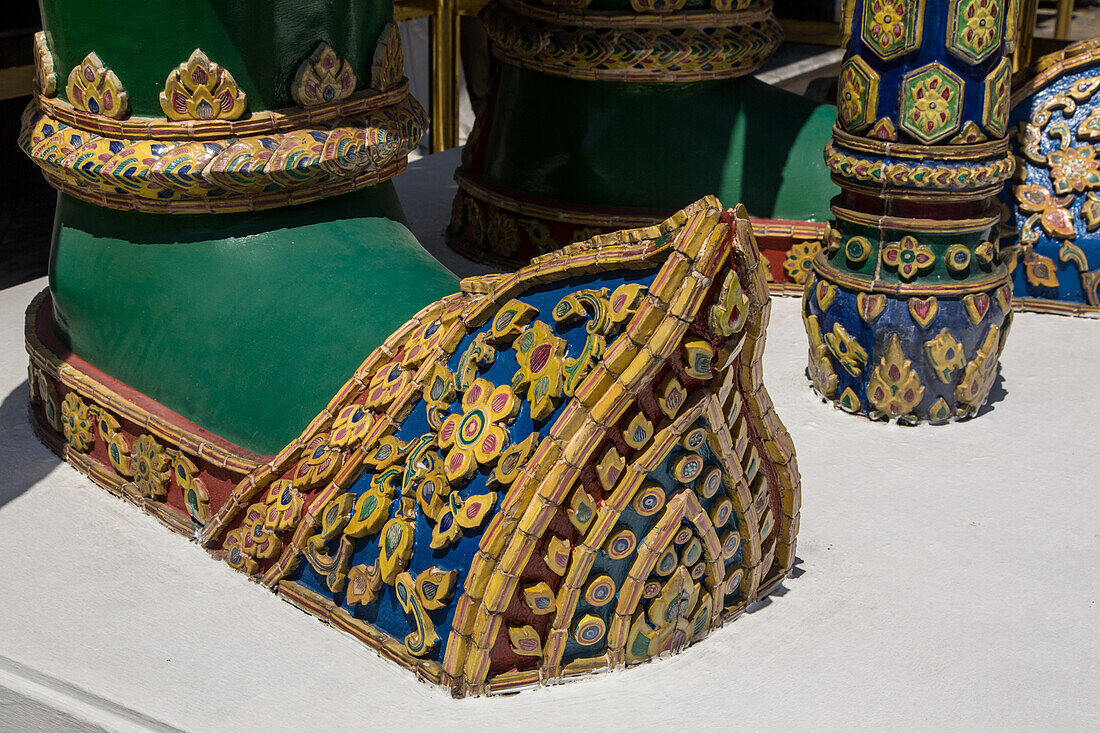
<point x="201" y="90"/>
<point x="322" y="78"/>
<point x="387" y="69"/>
<point x="94" y="88"/>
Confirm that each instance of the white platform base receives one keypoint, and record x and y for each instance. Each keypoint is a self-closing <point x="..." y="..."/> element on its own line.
<point x="948" y="579"/>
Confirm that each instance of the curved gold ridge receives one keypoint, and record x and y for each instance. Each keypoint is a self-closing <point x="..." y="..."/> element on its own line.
<point x="1051" y="65"/>
<point x="909" y="223"/>
<point x="225" y="175"/>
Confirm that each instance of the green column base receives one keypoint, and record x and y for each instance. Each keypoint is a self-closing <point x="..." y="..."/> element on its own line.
<point x="245" y="324"/>
<point x="660" y="146"/>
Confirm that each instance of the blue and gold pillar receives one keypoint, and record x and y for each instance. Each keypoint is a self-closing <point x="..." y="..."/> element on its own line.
<point x="909" y="304"/>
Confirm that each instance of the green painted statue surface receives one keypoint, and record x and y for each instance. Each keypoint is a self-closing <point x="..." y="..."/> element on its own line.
<point x="227" y="240"/>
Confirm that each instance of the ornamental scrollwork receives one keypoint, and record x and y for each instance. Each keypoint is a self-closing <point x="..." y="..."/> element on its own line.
<point x="1059" y="197"/>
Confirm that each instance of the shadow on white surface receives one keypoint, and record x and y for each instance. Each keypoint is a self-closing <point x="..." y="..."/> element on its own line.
<point x="997" y="393"/>
<point x="23" y="462"/>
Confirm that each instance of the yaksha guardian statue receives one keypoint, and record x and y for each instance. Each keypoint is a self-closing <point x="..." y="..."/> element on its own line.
<point x="530" y="477"/>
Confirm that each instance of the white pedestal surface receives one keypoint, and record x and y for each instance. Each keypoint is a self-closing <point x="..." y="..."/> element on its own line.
<point x="947" y="579"/>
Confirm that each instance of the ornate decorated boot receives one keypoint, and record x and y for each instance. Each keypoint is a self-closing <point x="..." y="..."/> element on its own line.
<point x="909" y="305"/>
<point x="1054" y="217"/>
<point x="227" y="242"/>
<point x="569" y="468"/>
<point x="616" y="113"/>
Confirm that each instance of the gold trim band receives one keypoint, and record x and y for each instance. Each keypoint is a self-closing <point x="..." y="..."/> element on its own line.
<point x="929" y="180"/>
<point x="794" y="230"/>
<point x="1057" y="307"/>
<point x="686" y="46"/>
<point x="229" y="175"/>
<point x="759" y="13"/>
<point x="229" y="204"/>
<point x="823" y="269"/>
<point x="907" y="224"/>
<point x="941" y="153"/>
<point x="259" y="123"/>
<point x="553" y="213"/>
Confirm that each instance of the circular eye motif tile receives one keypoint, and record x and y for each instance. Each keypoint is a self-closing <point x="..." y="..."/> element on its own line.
<point x="693" y="551"/>
<point x="711" y="483"/>
<point x="730" y="545"/>
<point x="694" y="438"/>
<point x="721" y="513"/>
<point x="621" y="544"/>
<point x="688" y="468"/>
<point x="649" y="500"/>
<point x="600" y="591"/>
<point x="683" y="535"/>
<point x="589" y="630"/>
